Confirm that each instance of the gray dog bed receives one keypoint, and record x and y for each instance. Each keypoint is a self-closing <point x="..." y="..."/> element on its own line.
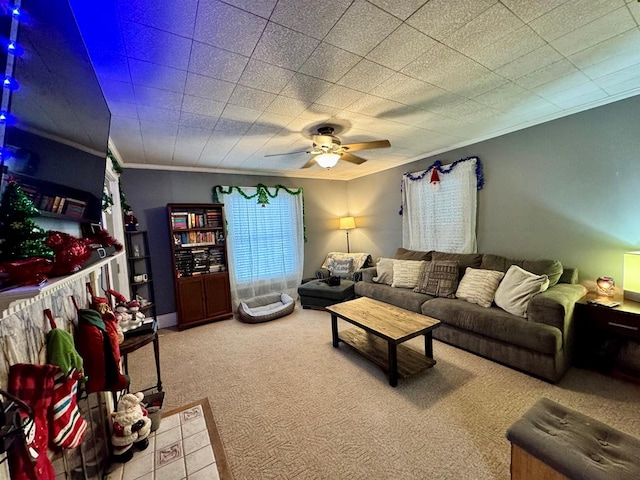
<point x="266" y="307"/>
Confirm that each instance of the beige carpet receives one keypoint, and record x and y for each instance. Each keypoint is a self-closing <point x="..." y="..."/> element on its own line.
<point x="289" y="406"/>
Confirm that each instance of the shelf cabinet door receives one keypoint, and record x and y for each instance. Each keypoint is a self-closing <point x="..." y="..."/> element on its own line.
<point x="191" y="308"/>
<point x="218" y="294"/>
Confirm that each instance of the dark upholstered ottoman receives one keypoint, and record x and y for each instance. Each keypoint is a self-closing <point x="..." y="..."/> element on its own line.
<point x="317" y="294"/>
<point x="554" y="442"/>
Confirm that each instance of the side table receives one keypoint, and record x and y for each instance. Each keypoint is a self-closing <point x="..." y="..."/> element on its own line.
<point x="601" y="332"/>
<point x="133" y="343"/>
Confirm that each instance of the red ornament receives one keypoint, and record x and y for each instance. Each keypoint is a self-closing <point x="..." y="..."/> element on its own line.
<point x="435" y="178"/>
<point x="70" y="253"/>
<point x="30" y="271"/>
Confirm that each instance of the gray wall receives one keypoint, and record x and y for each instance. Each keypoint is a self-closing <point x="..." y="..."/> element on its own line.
<point x="567" y="190"/>
<point x="149" y="191"/>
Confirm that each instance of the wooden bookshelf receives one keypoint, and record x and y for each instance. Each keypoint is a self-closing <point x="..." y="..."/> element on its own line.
<point x="200" y="266"/>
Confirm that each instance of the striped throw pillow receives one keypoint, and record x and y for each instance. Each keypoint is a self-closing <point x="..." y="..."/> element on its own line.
<point x="479" y="286"/>
<point x="406" y="273"/>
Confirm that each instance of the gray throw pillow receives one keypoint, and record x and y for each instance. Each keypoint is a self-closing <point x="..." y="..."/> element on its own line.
<point x="516" y="289"/>
<point x="384" y="270"/>
<point x="439" y="279"/>
<point x="479" y="286"/>
<point x="341" y="268"/>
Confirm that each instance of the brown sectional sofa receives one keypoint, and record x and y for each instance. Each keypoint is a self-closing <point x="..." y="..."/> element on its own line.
<point x="540" y="344"/>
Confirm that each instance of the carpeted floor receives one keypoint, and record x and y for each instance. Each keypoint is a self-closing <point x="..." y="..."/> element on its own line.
<point x="288" y="405"/>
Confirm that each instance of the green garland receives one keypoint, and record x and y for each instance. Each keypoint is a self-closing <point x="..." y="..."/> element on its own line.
<point x="118" y="169"/>
<point x="263" y="194"/>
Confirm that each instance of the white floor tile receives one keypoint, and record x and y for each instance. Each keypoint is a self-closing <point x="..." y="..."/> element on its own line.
<point x="173" y="471"/>
<point x="199" y="459"/>
<point x="167" y="423"/>
<point x="196" y="442"/>
<point x="209" y="472"/>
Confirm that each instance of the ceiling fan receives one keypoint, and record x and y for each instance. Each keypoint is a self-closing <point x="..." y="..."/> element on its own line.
<point x="328" y="149"/>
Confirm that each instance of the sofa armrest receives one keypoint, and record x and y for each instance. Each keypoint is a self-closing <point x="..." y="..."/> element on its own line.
<point x="323" y="273"/>
<point x="367" y="274"/>
<point x="555" y="306"/>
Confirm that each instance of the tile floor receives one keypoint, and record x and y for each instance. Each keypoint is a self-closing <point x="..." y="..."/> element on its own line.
<point x="179" y="450"/>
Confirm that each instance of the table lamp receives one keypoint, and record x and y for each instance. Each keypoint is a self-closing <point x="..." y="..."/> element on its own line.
<point x="347" y="223"/>
<point x="631" y="276"/>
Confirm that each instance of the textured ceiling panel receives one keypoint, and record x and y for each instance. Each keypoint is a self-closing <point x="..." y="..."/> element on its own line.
<point x="220" y="83"/>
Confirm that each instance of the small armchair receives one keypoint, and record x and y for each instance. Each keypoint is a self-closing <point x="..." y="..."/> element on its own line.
<point x="344" y="265"/>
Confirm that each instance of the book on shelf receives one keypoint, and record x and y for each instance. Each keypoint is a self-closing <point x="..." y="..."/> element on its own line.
<point x="74" y="208"/>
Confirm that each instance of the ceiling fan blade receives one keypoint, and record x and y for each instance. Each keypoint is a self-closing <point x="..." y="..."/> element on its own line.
<point x="288" y="153"/>
<point x="347" y="157"/>
<point x="309" y="163"/>
<point x="352" y="147"/>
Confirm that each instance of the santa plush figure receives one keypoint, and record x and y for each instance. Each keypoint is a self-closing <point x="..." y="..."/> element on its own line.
<point x="131" y="426"/>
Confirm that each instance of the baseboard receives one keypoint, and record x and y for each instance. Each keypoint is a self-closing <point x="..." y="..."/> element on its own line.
<point x="167" y="320"/>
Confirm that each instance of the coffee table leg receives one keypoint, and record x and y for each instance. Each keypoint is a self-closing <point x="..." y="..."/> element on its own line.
<point x="428" y="345"/>
<point x="393" y="364"/>
<point x="334" y="329"/>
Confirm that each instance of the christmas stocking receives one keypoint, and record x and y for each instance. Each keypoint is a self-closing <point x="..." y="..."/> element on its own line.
<point x="67" y="427"/>
<point x="33" y="384"/>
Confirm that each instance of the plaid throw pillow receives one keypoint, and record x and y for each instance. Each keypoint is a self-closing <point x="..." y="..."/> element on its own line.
<point x="439" y="278"/>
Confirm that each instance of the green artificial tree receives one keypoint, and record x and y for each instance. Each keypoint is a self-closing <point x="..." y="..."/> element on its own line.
<point x="20" y="237"/>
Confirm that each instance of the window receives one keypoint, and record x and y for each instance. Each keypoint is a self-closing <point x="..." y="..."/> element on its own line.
<point x="265" y="243"/>
<point x="439" y="213"/>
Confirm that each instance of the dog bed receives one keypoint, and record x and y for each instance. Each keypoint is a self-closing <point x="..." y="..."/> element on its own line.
<point x="266" y="307"/>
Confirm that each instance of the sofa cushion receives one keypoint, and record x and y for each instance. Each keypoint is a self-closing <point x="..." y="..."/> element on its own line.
<point x="341" y="267"/>
<point x="516" y="289"/>
<point x="384" y="269"/>
<point x="464" y="260"/>
<point x="406" y="254"/>
<point x="438" y="278"/>
<point x="406" y="273"/>
<point x="479" y="286"/>
<point x="400" y="297"/>
<point x="495" y="323"/>
<point x="550" y="268"/>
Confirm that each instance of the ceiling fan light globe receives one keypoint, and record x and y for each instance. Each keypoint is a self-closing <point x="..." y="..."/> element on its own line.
<point x="327" y="160"/>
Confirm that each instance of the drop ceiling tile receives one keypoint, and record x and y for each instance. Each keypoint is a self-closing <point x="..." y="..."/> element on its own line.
<point x="157" y="114"/>
<point x="567" y="88"/>
<point x="123" y="109"/>
<point x="471" y="111"/>
<point x="634" y="8"/>
<point x="339" y="97"/>
<point x="410" y="91"/>
<point x="240" y="114"/>
<point x="487" y="28"/>
<point x="374" y="106"/>
<point x="157" y="76"/>
<point x="546" y="74"/>
<point x="208" y="87"/>
<point x="530" y="62"/>
<point x="202" y="106"/>
<point x="478" y="84"/>
<point x="198" y="120"/>
<point x="111" y="66"/>
<point x="400" y="48"/>
<point x="310" y="17"/>
<point x="602" y="29"/>
<point x="269" y="118"/>
<point x="258" y="7"/>
<point x="305" y="87"/>
<point x="156" y="46"/>
<point x="571" y="15"/>
<point x="177" y="16"/>
<point x="251" y="98"/>
<point x="494" y="55"/>
<point x="361" y="28"/>
<point x="402" y="10"/>
<point x="284" y="47"/>
<point x="234" y="128"/>
<point x="329" y="63"/>
<point x="287" y="106"/>
<point x="593" y="98"/>
<point x="157" y="98"/>
<point x="500" y="94"/>
<point x="625" y="45"/>
<point x="531" y="9"/>
<point x="217" y="63"/>
<point x="118" y="91"/>
<point x="158" y="130"/>
<point x="227" y="27"/>
<point x="621" y="81"/>
<point x="440" y="18"/>
<point x="318" y="112"/>
<point x="264" y="76"/>
<point x="365" y="76"/>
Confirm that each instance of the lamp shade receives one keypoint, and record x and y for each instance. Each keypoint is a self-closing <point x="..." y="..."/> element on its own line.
<point x="347" y="223"/>
<point x="631" y="276"/>
<point x="327" y="160"/>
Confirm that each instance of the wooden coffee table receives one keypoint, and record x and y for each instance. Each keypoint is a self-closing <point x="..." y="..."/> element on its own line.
<point x="383" y="327"/>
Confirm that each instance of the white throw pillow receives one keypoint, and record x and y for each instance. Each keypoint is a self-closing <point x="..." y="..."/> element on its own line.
<point x="384" y="270"/>
<point x="406" y="273"/>
<point x="517" y="288"/>
<point x="479" y="286"/>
